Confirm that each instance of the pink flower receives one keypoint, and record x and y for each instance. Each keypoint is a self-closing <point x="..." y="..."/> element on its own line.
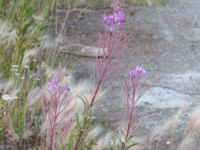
<point x="54" y="85"/>
<point x="114" y="21"/>
<point x="137" y="72"/>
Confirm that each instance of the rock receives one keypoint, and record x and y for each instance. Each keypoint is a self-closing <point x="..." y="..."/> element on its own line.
<point x="166" y="98"/>
<point x="188" y="143"/>
<point x="187" y="82"/>
<point x="174" y="91"/>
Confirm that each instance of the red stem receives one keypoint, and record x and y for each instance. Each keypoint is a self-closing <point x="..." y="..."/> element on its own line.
<point x="53" y="127"/>
<point x="98" y="87"/>
<point x="131" y="114"/>
<point x="88" y="109"/>
<point x="51" y="138"/>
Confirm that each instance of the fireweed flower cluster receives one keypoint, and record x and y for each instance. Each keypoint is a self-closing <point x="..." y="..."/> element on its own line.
<point x="111" y="47"/>
<point x="115" y="21"/>
<point x="58" y="111"/>
<point x="133" y="92"/>
<point x="55" y="87"/>
<point x="137" y="72"/>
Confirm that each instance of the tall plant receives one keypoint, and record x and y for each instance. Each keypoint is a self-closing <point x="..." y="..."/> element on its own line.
<point x="112" y="43"/>
<point x="59" y="108"/>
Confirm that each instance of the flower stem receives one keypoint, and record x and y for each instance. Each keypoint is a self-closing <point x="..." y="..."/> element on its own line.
<point x="87" y="110"/>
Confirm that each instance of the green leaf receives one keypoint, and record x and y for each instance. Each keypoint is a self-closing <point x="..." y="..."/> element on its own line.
<point x="84" y="100"/>
<point x="26" y="25"/>
<point x="70" y="142"/>
<point x="78" y="123"/>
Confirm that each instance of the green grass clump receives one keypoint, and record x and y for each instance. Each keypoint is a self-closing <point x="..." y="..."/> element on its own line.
<point x="2" y="120"/>
<point x="5" y="60"/>
<point x="19" y="119"/>
<point x="21" y="17"/>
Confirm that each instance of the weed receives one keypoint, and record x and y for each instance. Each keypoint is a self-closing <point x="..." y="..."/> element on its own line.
<point x="58" y="107"/>
<point x="112" y="46"/>
<point x="133" y="93"/>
